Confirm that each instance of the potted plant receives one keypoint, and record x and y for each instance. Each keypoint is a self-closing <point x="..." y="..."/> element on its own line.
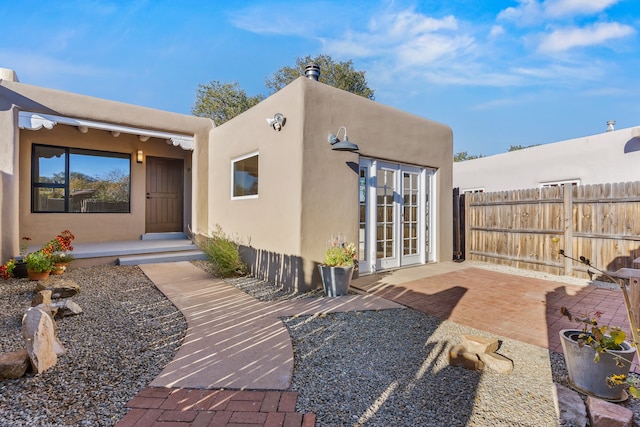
<point x="337" y="270"/>
<point x="7" y="269"/>
<point x="39" y="265"/>
<point x="598" y="357"/>
<point x="594" y="354"/>
<point x="20" y="270"/>
<point x="58" y="250"/>
<point x="61" y="261"/>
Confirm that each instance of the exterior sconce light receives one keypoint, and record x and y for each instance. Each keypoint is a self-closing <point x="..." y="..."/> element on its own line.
<point x="344" y="145"/>
<point x="139" y="156"/>
<point x="277" y="122"/>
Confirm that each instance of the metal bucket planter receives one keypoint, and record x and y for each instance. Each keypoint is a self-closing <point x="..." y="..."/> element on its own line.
<point x="336" y="280"/>
<point x="589" y="377"/>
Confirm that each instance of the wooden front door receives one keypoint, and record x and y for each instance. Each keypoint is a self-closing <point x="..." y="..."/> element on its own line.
<point x="165" y="192"/>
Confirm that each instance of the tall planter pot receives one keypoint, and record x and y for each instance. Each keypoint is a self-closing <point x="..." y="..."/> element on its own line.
<point x="20" y="270"/>
<point x="590" y="377"/>
<point x="336" y="280"/>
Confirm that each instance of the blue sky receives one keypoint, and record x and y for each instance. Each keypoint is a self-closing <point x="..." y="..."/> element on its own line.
<point x="500" y="73"/>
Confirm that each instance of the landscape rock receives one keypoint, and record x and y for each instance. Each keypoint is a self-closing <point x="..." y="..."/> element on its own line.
<point x="14" y="364"/>
<point x="475" y="344"/>
<point x="570" y="407"/>
<point x="41" y="297"/>
<point x="38" y="332"/>
<point x="459" y="356"/>
<point x="607" y="414"/>
<point x="60" y="288"/>
<point x="496" y="362"/>
<point x="66" y="308"/>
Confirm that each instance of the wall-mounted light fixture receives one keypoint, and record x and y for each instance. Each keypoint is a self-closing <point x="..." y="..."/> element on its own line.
<point x="139" y="156"/>
<point x="344" y="145"/>
<point x="277" y="122"/>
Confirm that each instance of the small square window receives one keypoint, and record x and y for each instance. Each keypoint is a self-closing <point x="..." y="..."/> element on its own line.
<point x="245" y="176"/>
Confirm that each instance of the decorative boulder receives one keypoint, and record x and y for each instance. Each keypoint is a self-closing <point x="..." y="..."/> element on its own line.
<point x="59" y="288"/>
<point x="39" y="335"/>
<point x="65" y="308"/>
<point x="42" y="297"/>
<point x="14" y="364"/>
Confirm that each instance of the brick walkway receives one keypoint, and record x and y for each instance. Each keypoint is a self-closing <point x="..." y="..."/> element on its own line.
<point x="518" y="307"/>
<point x="235" y="364"/>
<point x="173" y="407"/>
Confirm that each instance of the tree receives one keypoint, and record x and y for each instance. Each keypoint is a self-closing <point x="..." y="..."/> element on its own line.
<point x="463" y="155"/>
<point x="222" y="101"/>
<point x="520" y="147"/>
<point x="337" y="74"/>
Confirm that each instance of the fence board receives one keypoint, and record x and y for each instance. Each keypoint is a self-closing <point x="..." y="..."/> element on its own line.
<point x="526" y="228"/>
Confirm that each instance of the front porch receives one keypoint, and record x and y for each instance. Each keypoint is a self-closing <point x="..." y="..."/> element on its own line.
<point x="151" y="248"/>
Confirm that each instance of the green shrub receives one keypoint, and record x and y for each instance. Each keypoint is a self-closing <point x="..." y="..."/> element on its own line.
<point x="224" y="255"/>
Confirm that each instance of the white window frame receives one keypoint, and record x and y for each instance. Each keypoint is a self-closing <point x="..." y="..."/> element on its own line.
<point x="559" y="183"/>
<point x="233" y="162"/>
<point x="473" y="190"/>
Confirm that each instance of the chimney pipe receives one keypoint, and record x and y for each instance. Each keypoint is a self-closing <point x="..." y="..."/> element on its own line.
<point x="312" y="71"/>
<point x="610" y="125"/>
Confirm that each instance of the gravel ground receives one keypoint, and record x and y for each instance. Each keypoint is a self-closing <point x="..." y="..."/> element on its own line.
<point x="127" y="333"/>
<point x="375" y="368"/>
<point x="389" y="368"/>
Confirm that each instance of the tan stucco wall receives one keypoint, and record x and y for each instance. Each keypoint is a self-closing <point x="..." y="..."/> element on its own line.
<point x="308" y="192"/>
<point x="331" y="185"/>
<point x="19" y="221"/>
<point x="271" y="221"/>
<point x="94" y="227"/>
<point x="9" y="170"/>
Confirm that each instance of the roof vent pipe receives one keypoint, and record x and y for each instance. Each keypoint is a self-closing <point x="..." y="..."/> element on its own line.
<point x="610" y="125"/>
<point x="312" y="71"/>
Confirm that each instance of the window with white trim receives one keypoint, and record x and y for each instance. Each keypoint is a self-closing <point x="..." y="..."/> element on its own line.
<point x="571" y="182"/>
<point x="244" y="180"/>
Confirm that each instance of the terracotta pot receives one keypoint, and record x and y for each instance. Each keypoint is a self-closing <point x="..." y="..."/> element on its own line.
<point x="35" y="275"/>
<point x="59" y="267"/>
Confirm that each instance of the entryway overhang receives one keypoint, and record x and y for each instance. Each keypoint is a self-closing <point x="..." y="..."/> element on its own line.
<point x="34" y="121"/>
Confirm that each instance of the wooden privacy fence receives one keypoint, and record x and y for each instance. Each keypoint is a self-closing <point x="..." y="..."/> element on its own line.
<point x="526" y="228"/>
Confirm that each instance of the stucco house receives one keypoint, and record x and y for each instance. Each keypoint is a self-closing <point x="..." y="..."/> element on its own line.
<point x="608" y="157"/>
<point x="113" y="172"/>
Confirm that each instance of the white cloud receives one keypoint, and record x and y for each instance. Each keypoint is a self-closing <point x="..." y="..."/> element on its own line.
<point x="295" y="19"/>
<point x="527" y="12"/>
<point x="404" y="39"/>
<point x="37" y="67"/>
<point x="596" y="34"/>
<point x="530" y="12"/>
<point x="558" y="8"/>
<point x="496" y="31"/>
<point x="400" y="45"/>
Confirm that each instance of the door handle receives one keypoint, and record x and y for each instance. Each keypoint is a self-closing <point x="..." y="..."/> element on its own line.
<point x="148" y="195"/>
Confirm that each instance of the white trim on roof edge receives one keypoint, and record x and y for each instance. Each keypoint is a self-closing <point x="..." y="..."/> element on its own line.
<point x="34" y="121"/>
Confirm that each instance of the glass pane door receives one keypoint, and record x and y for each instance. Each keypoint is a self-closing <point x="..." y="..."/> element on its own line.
<point x="394" y="215"/>
<point x="411" y="219"/>
<point x="386" y="218"/>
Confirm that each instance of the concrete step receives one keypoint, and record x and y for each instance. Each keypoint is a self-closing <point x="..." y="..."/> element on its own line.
<point x="176" y="235"/>
<point x="162" y="257"/>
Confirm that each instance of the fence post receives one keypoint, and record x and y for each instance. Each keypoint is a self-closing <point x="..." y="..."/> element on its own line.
<point x="567" y="192"/>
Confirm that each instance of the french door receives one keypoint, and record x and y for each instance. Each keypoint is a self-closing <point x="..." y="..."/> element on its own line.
<point x="395" y="220"/>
